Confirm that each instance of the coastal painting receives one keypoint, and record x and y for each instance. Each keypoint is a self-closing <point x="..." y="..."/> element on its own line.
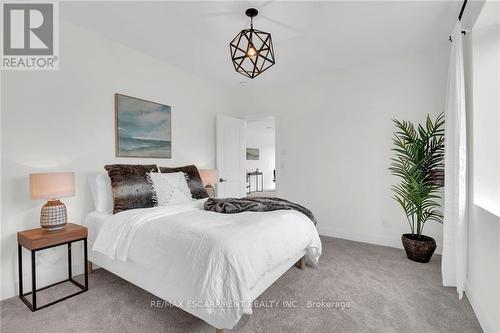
<point x="252" y="154"/>
<point x="143" y="128"/>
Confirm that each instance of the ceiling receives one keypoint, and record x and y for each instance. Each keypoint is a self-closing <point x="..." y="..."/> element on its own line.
<point x="309" y="37"/>
<point x="267" y="124"/>
<point x="263" y="129"/>
<point x="490" y="15"/>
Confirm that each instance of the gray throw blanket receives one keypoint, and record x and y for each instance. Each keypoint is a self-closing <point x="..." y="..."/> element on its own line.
<point x="254" y="204"/>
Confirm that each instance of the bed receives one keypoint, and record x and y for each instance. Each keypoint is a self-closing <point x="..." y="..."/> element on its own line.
<point x="209" y="264"/>
<point x="151" y="228"/>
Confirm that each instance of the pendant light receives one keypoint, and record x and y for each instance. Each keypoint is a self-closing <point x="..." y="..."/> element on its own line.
<point x="252" y="50"/>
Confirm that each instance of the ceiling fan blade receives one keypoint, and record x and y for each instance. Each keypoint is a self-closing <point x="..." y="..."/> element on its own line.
<point x="265" y="4"/>
<point x="284" y="25"/>
<point x="231" y="13"/>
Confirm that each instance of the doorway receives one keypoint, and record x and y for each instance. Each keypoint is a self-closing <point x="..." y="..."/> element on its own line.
<point x="260" y="161"/>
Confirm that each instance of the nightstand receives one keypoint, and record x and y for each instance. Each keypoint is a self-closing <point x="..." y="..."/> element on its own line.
<point x="39" y="239"/>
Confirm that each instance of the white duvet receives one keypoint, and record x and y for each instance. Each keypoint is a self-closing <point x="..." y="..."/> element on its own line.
<point x="213" y="259"/>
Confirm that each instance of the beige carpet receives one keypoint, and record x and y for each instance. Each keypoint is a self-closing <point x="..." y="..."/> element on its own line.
<point x="385" y="293"/>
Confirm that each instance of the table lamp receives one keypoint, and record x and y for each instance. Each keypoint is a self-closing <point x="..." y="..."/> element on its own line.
<point x="52" y="186"/>
<point x="209" y="179"/>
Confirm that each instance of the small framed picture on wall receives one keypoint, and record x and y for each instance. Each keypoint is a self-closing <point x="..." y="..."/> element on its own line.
<point x="252" y="154"/>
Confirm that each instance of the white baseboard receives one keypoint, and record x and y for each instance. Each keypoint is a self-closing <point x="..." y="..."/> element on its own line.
<point x="8" y="290"/>
<point x="389" y="241"/>
<point x="482" y="315"/>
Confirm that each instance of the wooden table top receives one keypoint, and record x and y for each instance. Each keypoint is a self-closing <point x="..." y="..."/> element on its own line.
<point x="38" y="238"/>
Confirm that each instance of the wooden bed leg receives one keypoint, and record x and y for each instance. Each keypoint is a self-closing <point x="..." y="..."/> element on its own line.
<point x="89" y="267"/>
<point x="219" y="330"/>
<point x="302" y="263"/>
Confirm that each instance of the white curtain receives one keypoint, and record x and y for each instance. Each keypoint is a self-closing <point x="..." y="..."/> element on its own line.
<point x="454" y="259"/>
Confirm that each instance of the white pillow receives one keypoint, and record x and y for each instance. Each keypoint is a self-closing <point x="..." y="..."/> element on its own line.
<point x="93" y="188"/>
<point x="102" y="195"/>
<point x="169" y="188"/>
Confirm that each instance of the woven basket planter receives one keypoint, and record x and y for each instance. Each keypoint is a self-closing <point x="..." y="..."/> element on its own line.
<point x="419" y="250"/>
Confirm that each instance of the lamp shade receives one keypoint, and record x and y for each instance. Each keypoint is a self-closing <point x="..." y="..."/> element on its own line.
<point x="52" y="185"/>
<point x="208" y="176"/>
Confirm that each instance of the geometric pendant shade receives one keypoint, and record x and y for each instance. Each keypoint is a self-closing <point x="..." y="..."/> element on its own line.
<point x="252" y="50"/>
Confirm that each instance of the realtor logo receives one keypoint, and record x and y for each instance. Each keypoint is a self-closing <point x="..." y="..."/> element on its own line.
<point x="29" y="36"/>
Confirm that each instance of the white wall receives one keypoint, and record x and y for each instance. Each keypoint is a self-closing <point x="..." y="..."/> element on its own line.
<point x="483" y="264"/>
<point x="483" y="267"/>
<point x="260" y="136"/>
<point x="64" y="121"/>
<point x="334" y="135"/>
<point x="485" y="40"/>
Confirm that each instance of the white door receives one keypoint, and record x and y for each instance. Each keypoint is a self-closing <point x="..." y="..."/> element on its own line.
<point x="231" y="154"/>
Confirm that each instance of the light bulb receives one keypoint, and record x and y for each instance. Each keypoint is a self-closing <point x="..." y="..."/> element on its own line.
<point x="252" y="52"/>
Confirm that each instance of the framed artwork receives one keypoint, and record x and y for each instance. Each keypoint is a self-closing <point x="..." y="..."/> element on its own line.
<point x="252" y="153"/>
<point x="142" y="128"/>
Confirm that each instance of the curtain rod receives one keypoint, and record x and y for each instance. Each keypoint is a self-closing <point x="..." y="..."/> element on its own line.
<point x="460" y="17"/>
<point x="462" y="10"/>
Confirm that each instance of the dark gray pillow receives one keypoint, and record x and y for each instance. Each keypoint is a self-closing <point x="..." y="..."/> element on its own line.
<point x="193" y="179"/>
<point x="130" y="186"/>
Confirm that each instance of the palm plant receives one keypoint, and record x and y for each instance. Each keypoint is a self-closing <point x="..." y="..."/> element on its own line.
<point x="419" y="163"/>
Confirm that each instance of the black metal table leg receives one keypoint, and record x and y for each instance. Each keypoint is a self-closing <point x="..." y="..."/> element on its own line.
<point x="33" y="280"/>
<point x="70" y="274"/>
<point x="33" y="305"/>
<point x="85" y="264"/>
<point x="20" y="263"/>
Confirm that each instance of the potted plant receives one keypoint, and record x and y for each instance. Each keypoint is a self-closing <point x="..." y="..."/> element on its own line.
<point x="419" y="163"/>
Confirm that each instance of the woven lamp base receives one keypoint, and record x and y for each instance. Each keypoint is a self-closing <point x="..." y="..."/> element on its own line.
<point x="53" y="215"/>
